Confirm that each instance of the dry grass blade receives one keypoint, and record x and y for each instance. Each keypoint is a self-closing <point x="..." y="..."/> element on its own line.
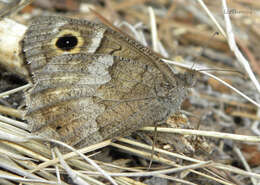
<point x="242" y="158"/>
<point x="15" y="90"/>
<point x="13" y="122"/>
<point x="234" y="48"/>
<point x="71" y="154"/>
<point x="75" y="178"/>
<point x="56" y="168"/>
<point x="212" y="18"/>
<point x="159" y="172"/>
<point x="252" y="139"/>
<point x="144" y="146"/>
<point x="12" y="112"/>
<point x="25" y="180"/>
<point x="162" y="160"/>
<point x="78" y="153"/>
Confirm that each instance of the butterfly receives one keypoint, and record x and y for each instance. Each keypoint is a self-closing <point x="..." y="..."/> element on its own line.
<point x="92" y="83"/>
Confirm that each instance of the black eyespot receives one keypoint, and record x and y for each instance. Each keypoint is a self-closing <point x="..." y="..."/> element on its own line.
<point x="67" y="42"/>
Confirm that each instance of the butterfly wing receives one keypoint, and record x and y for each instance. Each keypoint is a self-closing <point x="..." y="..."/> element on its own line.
<point x="92" y="84"/>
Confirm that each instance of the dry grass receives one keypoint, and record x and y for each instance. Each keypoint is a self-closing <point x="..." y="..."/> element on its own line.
<point x="215" y="140"/>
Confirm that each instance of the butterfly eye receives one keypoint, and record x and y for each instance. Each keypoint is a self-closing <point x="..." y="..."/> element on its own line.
<point x="67" y="42"/>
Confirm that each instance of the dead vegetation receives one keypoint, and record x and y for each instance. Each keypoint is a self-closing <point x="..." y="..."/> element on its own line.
<point x="215" y="139"/>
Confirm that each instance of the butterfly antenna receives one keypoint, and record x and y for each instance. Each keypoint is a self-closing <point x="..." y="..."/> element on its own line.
<point x="224" y="70"/>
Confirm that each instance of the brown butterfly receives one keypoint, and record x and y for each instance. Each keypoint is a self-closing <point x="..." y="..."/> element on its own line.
<point x="92" y="83"/>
